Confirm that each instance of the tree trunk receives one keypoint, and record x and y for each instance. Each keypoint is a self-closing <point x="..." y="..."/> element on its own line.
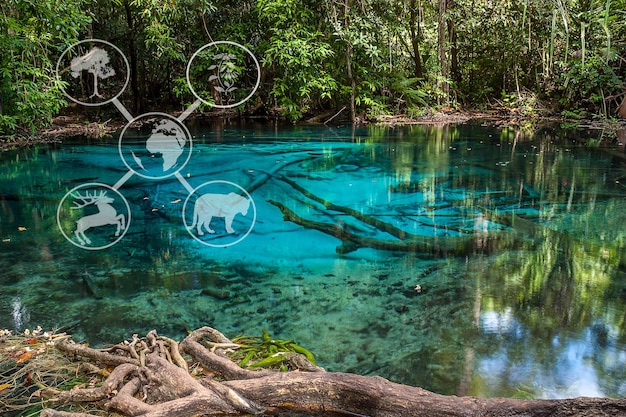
<point x="134" y="87"/>
<point x="349" y="55"/>
<point x="415" y="28"/>
<point x="442" y="52"/>
<point x="455" y="74"/>
<point x="621" y="110"/>
<point x="340" y="394"/>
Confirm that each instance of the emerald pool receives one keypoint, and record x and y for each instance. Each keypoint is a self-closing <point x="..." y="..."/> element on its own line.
<point x="465" y="259"/>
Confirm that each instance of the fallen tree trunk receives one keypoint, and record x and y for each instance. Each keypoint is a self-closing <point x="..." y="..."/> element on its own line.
<point x="435" y="245"/>
<point x="161" y="387"/>
<point x="372" y="221"/>
<point x="324" y="394"/>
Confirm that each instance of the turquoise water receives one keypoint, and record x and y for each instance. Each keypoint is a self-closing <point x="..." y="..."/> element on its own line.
<point x="464" y="259"/>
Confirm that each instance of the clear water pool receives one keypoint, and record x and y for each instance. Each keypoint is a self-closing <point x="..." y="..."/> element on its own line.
<point x="464" y="259"/>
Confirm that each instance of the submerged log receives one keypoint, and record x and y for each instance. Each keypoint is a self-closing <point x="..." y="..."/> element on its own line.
<point x="434" y="245"/>
<point x="160" y="387"/>
<point x="372" y="221"/>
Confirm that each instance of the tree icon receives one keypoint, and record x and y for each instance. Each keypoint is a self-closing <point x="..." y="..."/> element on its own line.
<point x="96" y="62"/>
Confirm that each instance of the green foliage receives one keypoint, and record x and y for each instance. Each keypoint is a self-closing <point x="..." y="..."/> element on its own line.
<point x="162" y="21"/>
<point x="584" y="86"/>
<point x="266" y="352"/>
<point x="296" y="52"/>
<point x="32" y="35"/>
<point x="410" y="94"/>
<point x="565" y="51"/>
<point x="525" y="103"/>
<point x="373" y="56"/>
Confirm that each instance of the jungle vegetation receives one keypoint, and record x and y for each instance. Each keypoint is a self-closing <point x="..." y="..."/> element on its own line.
<point x="368" y="57"/>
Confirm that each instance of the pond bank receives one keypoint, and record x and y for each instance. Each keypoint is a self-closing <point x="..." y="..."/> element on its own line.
<point x="76" y="125"/>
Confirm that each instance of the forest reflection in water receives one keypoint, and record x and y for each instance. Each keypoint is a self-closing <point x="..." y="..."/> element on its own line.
<point x="510" y="280"/>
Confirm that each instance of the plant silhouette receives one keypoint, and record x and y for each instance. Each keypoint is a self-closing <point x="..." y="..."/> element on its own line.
<point x="226" y="73"/>
<point x="96" y="62"/>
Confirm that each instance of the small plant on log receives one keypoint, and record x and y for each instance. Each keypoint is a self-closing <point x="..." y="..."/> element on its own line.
<point x="265" y="352"/>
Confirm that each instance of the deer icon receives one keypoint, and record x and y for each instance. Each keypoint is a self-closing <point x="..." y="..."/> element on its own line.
<point x="106" y="214"/>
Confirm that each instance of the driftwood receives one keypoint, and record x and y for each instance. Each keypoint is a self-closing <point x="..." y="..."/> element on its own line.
<point x="159" y="386"/>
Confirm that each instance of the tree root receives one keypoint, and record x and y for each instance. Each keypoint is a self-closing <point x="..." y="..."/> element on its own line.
<point x="158" y="382"/>
<point x="162" y="386"/>
<point x="212" y="360"/>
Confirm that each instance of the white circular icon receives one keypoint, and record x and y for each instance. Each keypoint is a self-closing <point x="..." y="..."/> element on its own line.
<point x="155" y="145"/>
<point x="93" y="216"/>
<point x="226" y="74"/>
<point x="93" y="72"/>
<point x="223" y="214"/>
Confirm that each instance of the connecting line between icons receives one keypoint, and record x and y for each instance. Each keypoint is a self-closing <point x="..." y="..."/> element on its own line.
<point x="123" y="110"/>
<point x="189" y="110"/>
<point x="130" y="118"/>
<point x="180" y="118"/>
<point x="123" y="180"/>
<point x="129" y="174"/>
<point x="184" y="182"/>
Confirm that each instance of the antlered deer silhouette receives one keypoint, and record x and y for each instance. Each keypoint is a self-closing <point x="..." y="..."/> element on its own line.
<point x="106" y="214"/>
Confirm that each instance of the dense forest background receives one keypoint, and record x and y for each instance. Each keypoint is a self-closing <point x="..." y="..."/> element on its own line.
<point x="369" y="57"/>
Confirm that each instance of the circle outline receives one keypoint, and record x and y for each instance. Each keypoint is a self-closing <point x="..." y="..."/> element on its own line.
<point x="185" y="130"/>
<point x="90" y="184"/>
<point x="220" y="182"/>
<point x="222" y="106"/>
<point x="106" y="101"/>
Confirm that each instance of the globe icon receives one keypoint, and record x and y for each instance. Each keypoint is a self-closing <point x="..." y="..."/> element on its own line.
<point x="155" y="145"/>
<point x="167" y="140"/>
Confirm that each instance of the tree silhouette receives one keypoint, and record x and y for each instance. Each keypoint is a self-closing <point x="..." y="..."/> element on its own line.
<point x="96" y="62"/>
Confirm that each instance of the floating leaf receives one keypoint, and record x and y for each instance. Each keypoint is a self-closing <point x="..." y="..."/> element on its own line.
<point x="4" y="386"/>
<point x="21" y="228"/>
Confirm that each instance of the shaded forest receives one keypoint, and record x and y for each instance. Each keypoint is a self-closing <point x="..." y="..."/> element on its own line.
<point x="366" y="58"/>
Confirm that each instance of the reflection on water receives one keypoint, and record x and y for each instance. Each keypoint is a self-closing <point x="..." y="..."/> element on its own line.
<point x="466" y="260"/>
